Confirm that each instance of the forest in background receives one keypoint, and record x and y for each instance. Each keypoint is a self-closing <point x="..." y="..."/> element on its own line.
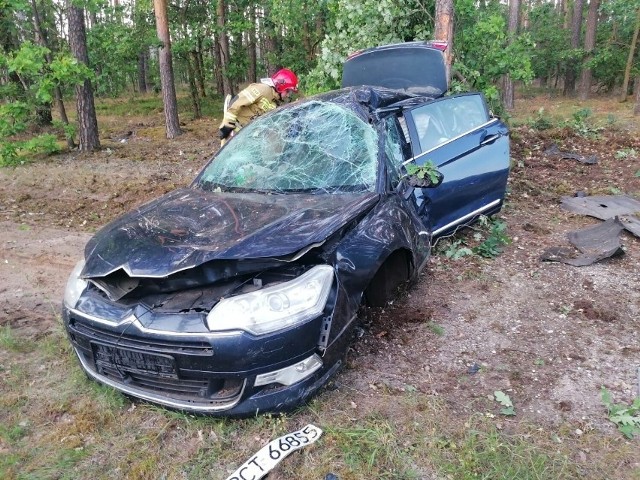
<point x="54" y="50"/>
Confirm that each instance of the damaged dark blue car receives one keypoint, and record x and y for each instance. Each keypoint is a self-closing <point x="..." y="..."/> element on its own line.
<point x="239" y="294"/>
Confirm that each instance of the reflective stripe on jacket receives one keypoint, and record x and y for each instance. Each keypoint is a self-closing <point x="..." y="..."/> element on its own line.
<point x="251" y="102"/>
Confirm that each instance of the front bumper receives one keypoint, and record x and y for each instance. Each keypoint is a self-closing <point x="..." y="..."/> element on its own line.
<point x="198" y="372"/>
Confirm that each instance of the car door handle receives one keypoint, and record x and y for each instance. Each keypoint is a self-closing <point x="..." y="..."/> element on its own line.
<point x="490" y="139"/>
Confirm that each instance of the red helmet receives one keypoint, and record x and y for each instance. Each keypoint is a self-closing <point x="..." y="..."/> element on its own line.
<point x="284" y="80"/>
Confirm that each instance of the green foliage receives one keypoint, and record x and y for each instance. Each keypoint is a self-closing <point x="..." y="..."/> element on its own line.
<point x="456" y="250"/>
<point x="427" y="171"/>
<point x="626" y="417"/>
<point x="495" y="239"/>
<point x="627" y="153"/>
<point x="504" y="400"/>
<point x="581" y="122"/>
<point x="481" y="62"/>
<point x="360" y="24"/>
<point x="541" y="121"/>
<point x="17" y="112"/>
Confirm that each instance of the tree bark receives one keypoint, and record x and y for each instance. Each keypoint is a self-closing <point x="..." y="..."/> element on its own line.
<point x="217" y="61"/>
<point x="269" y="43"/>
<point x="199" y="66"/>
<point x="251" y="47"/>
<point x="508" y="93"/>
<point x="166" y="70"/>
<point x="632" y="51"/>
<point x="636" y="109"/>
<point x="444" y="30"/>
<point x="87" y="121"/>
<point x="589" y="45"/>
<point x="142" y="72"/>
<point x="223" y="42"/>
<point x="576" y="27"/>
<point x="193" y="89"/>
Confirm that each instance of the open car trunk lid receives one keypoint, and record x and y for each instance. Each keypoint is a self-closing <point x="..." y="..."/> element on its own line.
<point x="415" y="67"/>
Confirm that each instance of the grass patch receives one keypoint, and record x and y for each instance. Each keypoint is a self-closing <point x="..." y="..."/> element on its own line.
<point x="10" y="341"/>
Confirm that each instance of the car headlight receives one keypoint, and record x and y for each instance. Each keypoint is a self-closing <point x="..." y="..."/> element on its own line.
<point x="75" y="286"/>
<point x="274" y="308"/>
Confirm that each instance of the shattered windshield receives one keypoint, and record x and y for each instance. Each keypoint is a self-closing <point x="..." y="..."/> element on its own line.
<point x="315" y="147"/>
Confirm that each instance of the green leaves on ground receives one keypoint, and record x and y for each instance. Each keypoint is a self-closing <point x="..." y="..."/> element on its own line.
<point x="504" y="400"/>
<point x="626" y="417"/>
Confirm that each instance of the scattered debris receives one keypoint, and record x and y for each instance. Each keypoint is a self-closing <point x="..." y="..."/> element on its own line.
<point x="554" y="151"/>
<point x="604" y="207"/>
<point x="595" y="243"/>
<point x="274" y="452"/>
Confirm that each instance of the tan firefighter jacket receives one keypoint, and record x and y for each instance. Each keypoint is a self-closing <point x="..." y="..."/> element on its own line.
<point x="250" y="103"/>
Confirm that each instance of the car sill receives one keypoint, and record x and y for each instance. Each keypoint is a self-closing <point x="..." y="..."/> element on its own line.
<point x="466" y="217"/>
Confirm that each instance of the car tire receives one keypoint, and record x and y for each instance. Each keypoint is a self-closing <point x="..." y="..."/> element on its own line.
<point x="384" y="284"/>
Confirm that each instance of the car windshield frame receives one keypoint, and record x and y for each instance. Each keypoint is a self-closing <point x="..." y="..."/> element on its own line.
<point x="316" y="147"/>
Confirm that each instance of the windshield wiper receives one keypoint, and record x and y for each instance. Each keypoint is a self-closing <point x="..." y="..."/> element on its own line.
<point x="328" y="189"/>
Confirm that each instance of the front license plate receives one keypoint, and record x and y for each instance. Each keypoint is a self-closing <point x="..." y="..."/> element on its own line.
<point x="273" y="453"/>
<point x="133" y="361"/>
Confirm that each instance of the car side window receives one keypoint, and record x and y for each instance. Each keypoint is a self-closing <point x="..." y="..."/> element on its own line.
<point x="394" y="147"/>
<point x="440" y="121"/>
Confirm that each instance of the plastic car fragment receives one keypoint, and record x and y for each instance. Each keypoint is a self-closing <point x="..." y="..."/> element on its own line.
<point x="626" y="208"/>
<point x="554" y="151"/>
<point x="595" y="244"/>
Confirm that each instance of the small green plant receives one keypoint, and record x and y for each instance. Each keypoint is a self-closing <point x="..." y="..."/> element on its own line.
<point x="426" y="172"/>
<point x="626" y="417"/>
<point x="456" y="250"/>
<point x="582" y="124"/>
<point x="497" y="237"/>
<point x="504" y="400"/>
<point x="626" y="153"/>
<point x="435" y="328"/>
<point x="637" y="174"/>
<point x="541" y="122"/>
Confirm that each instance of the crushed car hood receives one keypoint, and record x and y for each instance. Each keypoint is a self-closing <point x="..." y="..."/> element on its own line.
<point x="189" y="227"/>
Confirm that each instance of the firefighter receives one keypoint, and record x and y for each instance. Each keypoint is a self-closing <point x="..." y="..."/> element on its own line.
<point x="256" y="99"/>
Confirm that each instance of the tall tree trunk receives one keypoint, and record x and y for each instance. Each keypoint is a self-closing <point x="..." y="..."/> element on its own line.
<point x="270" y="43"/>
<point x="166" y="70"/>
<point x="193" y="89"/>
<point x="576" y="27"/>
<point x="632" y="51"/>
<point x="142" y="71"/>
<point x="223" y="41"/>
<point x="589" y="45"/>
<point x="444" y="30"/>
<point x="199" y="66"/>
<point x="217" y="62"/>
<point x="41" y="39"/>
<point x="87" y="121"/>
<point x="636" y="109"/>
<point x="508" y="94"/>
<point x="251" y="46"/>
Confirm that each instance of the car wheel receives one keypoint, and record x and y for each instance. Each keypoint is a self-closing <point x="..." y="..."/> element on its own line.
<point x="384" y="284"/>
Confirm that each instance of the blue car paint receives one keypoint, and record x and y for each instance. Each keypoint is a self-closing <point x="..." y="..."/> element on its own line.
<point x="169" y="240"/>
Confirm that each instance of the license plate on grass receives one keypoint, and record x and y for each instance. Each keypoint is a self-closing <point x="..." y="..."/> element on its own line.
<point x="133" y="361"/>
<point x="271" y="454"/>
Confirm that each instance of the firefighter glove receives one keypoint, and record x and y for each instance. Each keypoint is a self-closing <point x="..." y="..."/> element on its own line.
<point x="225" y="132"/>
